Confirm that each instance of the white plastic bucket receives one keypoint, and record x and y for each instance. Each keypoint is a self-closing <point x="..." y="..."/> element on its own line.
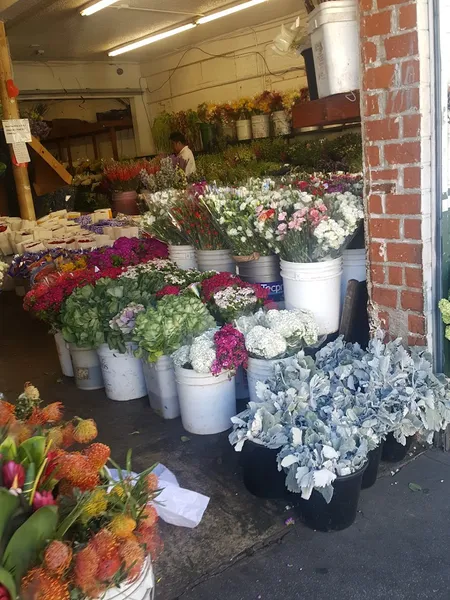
<point x="260" y="126"/>
<point x="259" y="369"/>
<point x="143" y="588"/>
<point x="162" y="387"/>
<point x="354" y="267"/>
<point x="281" y="123"/>
<point x="244" y="129"/>
<point x="215" y="260"/>
<point x="333" y="27"/>
<point x="122" y="373"/>
<point x="183" y="256"/>
<point x="207" y="403"/>
<point x="65" y="359"/>
<point x="86" y="368"/>
<point x="315" y="287"/>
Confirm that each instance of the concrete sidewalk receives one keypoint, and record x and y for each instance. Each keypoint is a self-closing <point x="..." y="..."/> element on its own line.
<point x="397" y="549"/>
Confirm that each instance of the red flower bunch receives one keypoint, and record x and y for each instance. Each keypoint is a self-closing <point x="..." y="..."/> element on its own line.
<point x="197" y="223"/>
<point x="124" y="176"/>
<point x="230" y="350"/>
<point x="168" y="290"/>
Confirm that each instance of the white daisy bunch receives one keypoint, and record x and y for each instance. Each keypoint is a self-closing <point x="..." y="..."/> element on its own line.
<point x="235" y="299"/>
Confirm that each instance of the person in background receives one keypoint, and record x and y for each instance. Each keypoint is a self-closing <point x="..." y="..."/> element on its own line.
<point x="182" y="150"/>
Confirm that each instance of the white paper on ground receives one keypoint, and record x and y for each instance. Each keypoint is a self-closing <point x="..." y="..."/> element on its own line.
<point x="175" y="505"/>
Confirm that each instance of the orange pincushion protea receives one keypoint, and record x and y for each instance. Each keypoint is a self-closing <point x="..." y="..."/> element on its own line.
<point x="104" y="544"/>
<point x="38" y="584"/>
<point x="109" y="568"/>
<point x="85" y="431"/>
<point x="149" y="516"/>
<point x="76" y="469"/>
<point x="53" y="412"/>
<point x="98" y="455"/>
<point x="68" y="435"/>
<point x="133" y="556"/>
<point x="55" y="434"/>
<point x="37" y="417"/>
<point x="150" y="538"/>
<point x="86" y="566"/>
<point x="152" y="482"/>
<point x="20" y="431"/>
<point x="57" y="557"/>
<point x="122" y="526"/>
<point x="6" y="413"/>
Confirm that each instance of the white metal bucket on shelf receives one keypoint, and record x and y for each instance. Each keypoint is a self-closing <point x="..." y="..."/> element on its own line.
<point x="315" y="287"/>
<point x="207" y="403"/>
<point x="244" y="129"/>
<point x="333" y="27"/>
<point x="143" y="588"/>
<point x="260" y="126"/>
<point x="259" y="369"/>
<point x="265" y="271"/>
<point x="354" y="267"/>
<point x="183" y="256"/>
<point x="122" y="373"/>
<point x="162" y="387"/>
<point x="281" y="123"/>
<point x="86" y="368"/>
<point x="215" y="260"/>
<point x="65" y="359"/>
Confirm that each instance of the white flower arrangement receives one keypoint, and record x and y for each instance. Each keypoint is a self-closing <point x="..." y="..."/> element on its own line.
<point x="158" y="220"/>
<point x="3" y="269"/>
<point x="277" y="333"/>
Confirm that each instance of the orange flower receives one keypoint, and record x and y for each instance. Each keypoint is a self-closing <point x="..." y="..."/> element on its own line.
<point x="149" y="516"/>
<point x="98" y="455"/>
<point x="40" y="585"/>
<point x="6" y="413"/>
<point x="152" y="482"/>
<point x="53" y="412"/>
<point x="57" y="557"/>
<point x="85" y="431"/>
<point x="86" y="566"/>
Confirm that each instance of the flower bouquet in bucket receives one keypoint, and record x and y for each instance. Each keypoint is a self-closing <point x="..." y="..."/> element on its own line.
<point x="67" y="529"/>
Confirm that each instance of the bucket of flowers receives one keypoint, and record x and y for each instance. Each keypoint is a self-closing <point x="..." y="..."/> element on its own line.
<point x="68" y="528"/>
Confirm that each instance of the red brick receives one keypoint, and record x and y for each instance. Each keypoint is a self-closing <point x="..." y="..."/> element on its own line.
<point x="404" y="153"/>
<point x="382" y="129"/>
<point x="395" y="276"/>
<point x="410" y="73"/>
<point x="411" y="177"/>
<point x="378" y="23"/>
<point x="371" y="105"/>
<point x="387" y="3"/>
<point x="413" y="229"/>
<point x="376" y="252"/>
<point x="416" y="324"/>
<point x="407" y="18"/>
<point x="404" y="253"/>
<point x="417" y="340"/>
<point x="384" y="319"/>
<point x="403" y="204"/>
<point x="413" y="277"/>
<point x="369" y="51"/>
<point x="411" y="126"/>
<point x="379" y="77"/>
<point x="384" y="296"/>
<point x="385" y="188"/>
<point x="384" y="175"/>
<point x="412" y="300"/>
<point x="366" y="5"/>
<point x="372" y="156"/>
<point x="375" y="205"/>
<point x="384" y="228"/>
<point x="403" y="100"/>
<point x="401" y="46"/>
<point x="377" y="274"/>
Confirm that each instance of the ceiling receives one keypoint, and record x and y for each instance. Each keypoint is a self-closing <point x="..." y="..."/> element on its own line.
<point x="55" y="29"/>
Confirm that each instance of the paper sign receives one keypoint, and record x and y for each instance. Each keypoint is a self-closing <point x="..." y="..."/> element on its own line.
<point x="21" y="152"/>
<point x="17" y="130"/>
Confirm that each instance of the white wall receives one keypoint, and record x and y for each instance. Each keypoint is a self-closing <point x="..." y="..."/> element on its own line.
<point x="201" y="78"/>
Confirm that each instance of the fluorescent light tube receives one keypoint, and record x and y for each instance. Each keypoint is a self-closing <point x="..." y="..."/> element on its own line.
<point x="90" y="10"/>
<point x="229" y="11"/>
<point x="151" y="39"/>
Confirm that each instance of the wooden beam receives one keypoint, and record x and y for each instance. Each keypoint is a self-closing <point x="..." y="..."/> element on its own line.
<point x="113" y="138"/>
<point x="11" y="111"/>
<point x="95" y="145"/>
<point x="51" y="161"/>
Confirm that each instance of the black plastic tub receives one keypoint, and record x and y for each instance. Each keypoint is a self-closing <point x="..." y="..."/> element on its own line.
<point x="340" y="513"/>
<point x="261" y="475"/>
<point x="310" y="73"/>
<point x="393" y="451"/>
<point x="371" y="472"/>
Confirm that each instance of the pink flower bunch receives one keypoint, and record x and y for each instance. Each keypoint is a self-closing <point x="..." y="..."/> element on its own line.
<point x="230" y="350"/>
<point x="127" y="252"/>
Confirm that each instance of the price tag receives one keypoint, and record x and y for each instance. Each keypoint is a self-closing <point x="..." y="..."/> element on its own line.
<point x="17" y="130"/>
<point x="21" y="152"/>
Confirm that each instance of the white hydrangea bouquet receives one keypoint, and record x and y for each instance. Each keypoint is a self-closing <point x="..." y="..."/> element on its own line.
<point x="158" y="220"/>
<point x="278" y="333"/>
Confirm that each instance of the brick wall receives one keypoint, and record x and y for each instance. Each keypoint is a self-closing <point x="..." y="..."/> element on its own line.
<point x="396" y="117"/>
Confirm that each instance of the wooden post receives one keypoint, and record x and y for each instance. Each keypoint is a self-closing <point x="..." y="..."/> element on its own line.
<point x="113" y="138"/>
<point x="95" y="145"/>
<point x="11" y="111"/>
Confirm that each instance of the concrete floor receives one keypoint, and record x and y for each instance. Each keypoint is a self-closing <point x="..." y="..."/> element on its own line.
<point x="243" y="549"/>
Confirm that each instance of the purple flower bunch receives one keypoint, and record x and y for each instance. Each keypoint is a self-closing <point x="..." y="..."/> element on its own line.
<point x="127" y="252"/>
<point x="230" y="350"/>
<point x="125" y="320"/>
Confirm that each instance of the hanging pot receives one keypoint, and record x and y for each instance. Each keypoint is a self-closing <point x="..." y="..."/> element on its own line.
<point x="281" y="123"/>
<point x="340" y="513"/>
<point x="260" y="469"/>
<point x="393" y="451"/>
<point x="371" y="472"/>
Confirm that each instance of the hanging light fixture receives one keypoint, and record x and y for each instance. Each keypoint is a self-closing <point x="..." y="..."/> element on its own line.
<point x="229" y="11"/>
<point x="93" y="8"/>
<point x="151" y="39"/>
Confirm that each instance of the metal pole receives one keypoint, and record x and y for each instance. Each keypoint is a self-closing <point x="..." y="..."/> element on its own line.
<point x="11" y="111"/>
